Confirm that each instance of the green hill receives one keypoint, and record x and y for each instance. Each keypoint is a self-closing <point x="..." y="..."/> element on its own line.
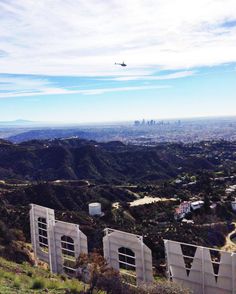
<point x="114" y="162"/>
<point x="23" y="278"/>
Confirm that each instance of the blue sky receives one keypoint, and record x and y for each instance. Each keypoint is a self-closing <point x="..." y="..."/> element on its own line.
<point x="57" y="59"/>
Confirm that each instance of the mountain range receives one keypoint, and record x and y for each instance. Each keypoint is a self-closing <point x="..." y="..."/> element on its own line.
<point x="112" y="162"/>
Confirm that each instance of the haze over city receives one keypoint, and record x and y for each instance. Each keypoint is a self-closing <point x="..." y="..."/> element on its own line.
<point x="57" y="60"/>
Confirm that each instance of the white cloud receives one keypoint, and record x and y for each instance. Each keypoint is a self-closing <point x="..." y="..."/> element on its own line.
<point x="171" y="76"/>
<point x="86" y="37"/>
<point x="121" y="89"/>
<point x="20" y="84"/>
<point x="27" y="87"/>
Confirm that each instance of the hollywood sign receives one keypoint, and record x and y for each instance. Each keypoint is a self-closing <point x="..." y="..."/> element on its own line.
<point x="60" y="243"/>
<point x="201" y="269"/>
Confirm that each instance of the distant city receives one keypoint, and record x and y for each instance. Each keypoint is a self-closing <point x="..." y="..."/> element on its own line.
<point x="153" y="122"/>
<point x="139" y="132"/>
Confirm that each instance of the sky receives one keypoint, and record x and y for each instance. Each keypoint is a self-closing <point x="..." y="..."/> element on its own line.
<point x="57" y="59"/>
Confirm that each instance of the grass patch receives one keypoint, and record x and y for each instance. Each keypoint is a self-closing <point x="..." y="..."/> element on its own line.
<point x="17" y="283"/>
<point x="25" y="279"/>
<point x="74" y="286"/>
<point x="54" y="284"/>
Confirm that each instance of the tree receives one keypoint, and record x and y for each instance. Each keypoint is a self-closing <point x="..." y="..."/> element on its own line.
<point x="204" y="182"/>
<point x="206" y="203"/>
<point x="96" y="272"/>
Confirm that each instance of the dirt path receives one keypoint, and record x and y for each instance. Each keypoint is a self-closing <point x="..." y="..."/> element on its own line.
<point x="148" y="200"/>
<point x="230" y="245"/>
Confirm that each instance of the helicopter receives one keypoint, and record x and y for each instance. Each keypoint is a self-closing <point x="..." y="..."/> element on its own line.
<point x="122" y="64"/>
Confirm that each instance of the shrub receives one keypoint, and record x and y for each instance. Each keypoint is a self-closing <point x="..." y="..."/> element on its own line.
<point x="162" y="288"/>
<point x="38" y="284"/>
<point x="74" y="287"/>
<point x="73" y="290"/>
<point x="30" y="274"/>
<point x="17" y="283"/>
<point x="18" y="234"/>
<point x="8" y="275"/>
<point x="63" y="277"/>
<point x="100" y="275"/>
<point x="53" y="284"/>
<point x="6" y="235"/>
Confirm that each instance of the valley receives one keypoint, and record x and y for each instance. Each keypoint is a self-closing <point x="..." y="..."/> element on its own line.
<point x="68" y="174"/>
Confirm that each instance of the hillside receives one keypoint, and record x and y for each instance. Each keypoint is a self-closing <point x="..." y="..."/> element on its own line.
<point x="155" y="221"/>
<point x="68" y="174"/>
<point x="115" y="162"/>
<point x="23" y="278"/>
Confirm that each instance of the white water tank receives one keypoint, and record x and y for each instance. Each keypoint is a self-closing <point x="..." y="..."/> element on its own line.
<point x="95" y="208"/>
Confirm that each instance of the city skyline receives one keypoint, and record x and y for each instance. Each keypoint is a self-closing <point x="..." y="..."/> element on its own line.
<point x="57" y="60"/>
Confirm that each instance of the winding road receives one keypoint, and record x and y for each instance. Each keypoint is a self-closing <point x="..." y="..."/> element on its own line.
<point x="229" y="244"/>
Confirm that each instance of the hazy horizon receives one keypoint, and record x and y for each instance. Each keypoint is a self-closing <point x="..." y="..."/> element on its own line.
<point x="121" y="122"/>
